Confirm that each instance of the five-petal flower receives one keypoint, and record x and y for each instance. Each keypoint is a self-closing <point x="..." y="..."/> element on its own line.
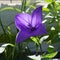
<point x="29" y="25"/>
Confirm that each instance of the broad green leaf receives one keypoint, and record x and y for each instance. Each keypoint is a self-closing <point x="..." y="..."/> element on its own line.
<point x="51" y="55"/>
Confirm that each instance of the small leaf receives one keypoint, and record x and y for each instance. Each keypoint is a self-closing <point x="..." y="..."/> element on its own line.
<point x="2" y="49"/>
<point x="58" y="8"/>
<point x="43" y="38"/>
<point x="34" y="57"/>
<point x="46" y="9"/>
<point x="51" y="55"/>
<point x="49" y="0"/>
<point x="50" y="49"/>
<point x="5" y="45"/>
<point x="35" y="40"/>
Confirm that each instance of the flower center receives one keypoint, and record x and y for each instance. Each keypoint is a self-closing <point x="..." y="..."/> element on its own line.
<point x="32" y="28"/>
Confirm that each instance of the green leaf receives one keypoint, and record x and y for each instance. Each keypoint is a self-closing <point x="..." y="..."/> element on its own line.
<point x="51" y="55"/>
<point x="46" y="9"/>
<point x="6" y="8"/>
<point x="50" y="49"/>
<point x="35" y="40"/>
<point x="43" y="38"/>
<point x="2" y="48"/>
<point x="23" y="6"/>
<point x="10" y="8"/>
<point x="31" y="6"/>
<point x="6" y="44"/>
<point x="18" y="10"/>
<point x="34" y="57"/>
<point x="49" y="0"/>
<point x="58" y="8"/>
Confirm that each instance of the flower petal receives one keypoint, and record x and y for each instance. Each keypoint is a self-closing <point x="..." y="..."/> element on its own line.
<point x="21" y="36"/>
<point x="22" y="20"/>
<point x="41" y="30"/>
<point x="37" y="16"/>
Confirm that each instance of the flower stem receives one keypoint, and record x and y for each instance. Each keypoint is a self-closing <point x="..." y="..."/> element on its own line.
<point x="36" y="49"/>
<point x="40" y="45"/>
<point x="41" y="49"/>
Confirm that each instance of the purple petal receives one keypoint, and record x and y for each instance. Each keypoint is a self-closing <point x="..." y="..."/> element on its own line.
<point x="37" y="16"/>
<point x="21" y="36"/>
<point x="22" y="20"/>
<point x="41" y="30"/>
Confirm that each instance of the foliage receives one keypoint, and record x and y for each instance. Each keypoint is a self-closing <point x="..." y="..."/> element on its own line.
<point x="51" y="18"/>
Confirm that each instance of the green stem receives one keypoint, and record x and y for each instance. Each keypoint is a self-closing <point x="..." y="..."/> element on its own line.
<point x="39" y="45"/>
<point x="41" y="49"/>
<point x="23" y="7"/>
<point x="13" y="52"/>
<point x="27" y="49"/>
<point x="5" y="54"/>
<point x="36" y="49"/>
<point x="2" y="26"/>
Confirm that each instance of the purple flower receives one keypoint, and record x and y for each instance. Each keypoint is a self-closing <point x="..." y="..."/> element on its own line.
<point x="29" y="25"/>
